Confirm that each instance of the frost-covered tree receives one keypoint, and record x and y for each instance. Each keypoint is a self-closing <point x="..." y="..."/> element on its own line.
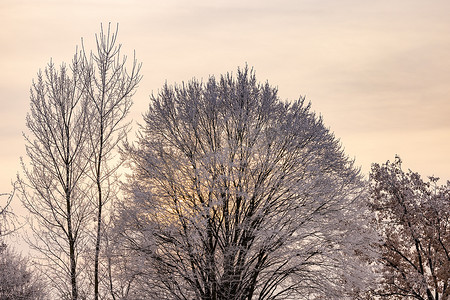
<point x="17" y="282"/>
<point x="75" y="124"/>
<point x="235" y="194"/>
<point x="108" y="88"/>
<point x="54" y="187"/>
<point x="413" y="218"/>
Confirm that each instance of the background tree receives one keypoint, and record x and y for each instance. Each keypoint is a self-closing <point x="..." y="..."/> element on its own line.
<point x="54" y="188"/>
<point x="16" y="279"/>
<point x="412" y="216"/>
<point x="17" y="282"/>
<point x="108" y="89"/>
<point x="237" y="195"/>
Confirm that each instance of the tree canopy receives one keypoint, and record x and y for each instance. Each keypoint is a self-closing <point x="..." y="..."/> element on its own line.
<point x="235" y="194"/>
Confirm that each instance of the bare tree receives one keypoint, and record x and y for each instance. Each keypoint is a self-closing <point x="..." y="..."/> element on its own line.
<point x="108" y="89"/>
<point x="413" y="218"/>
<point x="237" y="195"/>
<point x="54" y="189"/>
<point x="76" y="123"/>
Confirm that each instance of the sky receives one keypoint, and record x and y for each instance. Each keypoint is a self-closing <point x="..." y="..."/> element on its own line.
<point x="377" y="71"/>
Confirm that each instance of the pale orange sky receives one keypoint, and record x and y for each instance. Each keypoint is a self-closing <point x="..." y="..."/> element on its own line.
<point x="378" y="71"/>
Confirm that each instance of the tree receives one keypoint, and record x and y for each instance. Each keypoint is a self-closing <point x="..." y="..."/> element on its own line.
<point x="76" y="123"/>
<point x="108" y="89"/>
<point x="413" y="218"/>
<point x="55" y="188"/>
<point x="237" y="195"/>
<point x="17" y="282"/>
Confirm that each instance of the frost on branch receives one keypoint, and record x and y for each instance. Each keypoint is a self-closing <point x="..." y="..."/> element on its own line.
<point x="235" y="194"/>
